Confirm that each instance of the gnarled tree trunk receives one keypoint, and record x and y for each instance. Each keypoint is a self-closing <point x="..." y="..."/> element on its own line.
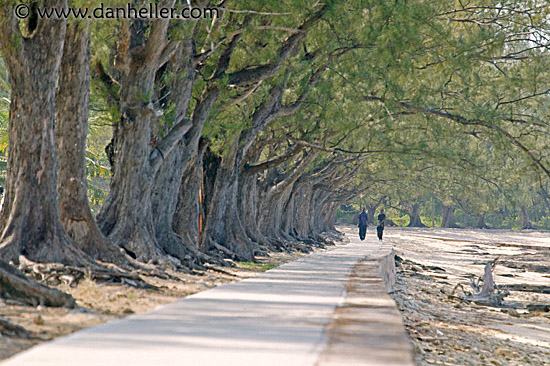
<point x="30" y="217"/>
<point x="72" y="101"/>
<point x="447" y="220"/>
<point x="525" y="221"/>
<point x="481" y="222"/>
<point x="412" y="211"/>
<point x="169" y="176"/>
<point x="126" y="216"/>
<point x="223" y="224"/>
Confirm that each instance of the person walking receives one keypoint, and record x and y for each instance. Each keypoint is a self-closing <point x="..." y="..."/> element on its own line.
<point x="363" y="220"/>
<point x="380" y="227"/>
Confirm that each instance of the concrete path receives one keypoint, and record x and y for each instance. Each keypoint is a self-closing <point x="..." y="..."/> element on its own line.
<point x="290" y="315"/>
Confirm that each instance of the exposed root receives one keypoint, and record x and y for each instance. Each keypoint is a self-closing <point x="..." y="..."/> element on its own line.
<point x="56" y="273"/>
<point x="223" y="250"/>
<point x="13" y="330"/>
<point x="14" y="285"/>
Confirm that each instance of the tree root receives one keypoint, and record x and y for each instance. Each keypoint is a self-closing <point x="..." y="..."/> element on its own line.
<point x="13" y="330"/>
<point x="14" y="285"/>
<point x="231" y="254"/>
<point x="56" y="273"/>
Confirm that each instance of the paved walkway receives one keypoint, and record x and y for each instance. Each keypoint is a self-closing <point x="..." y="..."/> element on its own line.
<point x="326" y="308"/>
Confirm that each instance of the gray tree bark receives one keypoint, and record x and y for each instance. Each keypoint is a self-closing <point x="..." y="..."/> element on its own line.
<point x="30" y="218"/>
<point x="168" y="179"/>
<point x="447" y="220"/>
<point x="126" y="216"/>
<point x="72" y="102"/>
<point x="481" y="222"/>
<point x="414" y="216"/>
<point x="525" y="221"/>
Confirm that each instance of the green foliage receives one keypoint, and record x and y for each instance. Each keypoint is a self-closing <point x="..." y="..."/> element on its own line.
<point x="256" y="266"/>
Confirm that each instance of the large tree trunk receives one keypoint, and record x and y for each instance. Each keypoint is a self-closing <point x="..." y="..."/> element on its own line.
<point x="276" y="201"/>
<point x="303" y="212"/>
<point x="271" y="213"/>
<point x="481" y="222"/>
<point x="415" y="220"/>
<point x="468" y="219"/>
<point x="224" y="223"/>
<point x="248" y="206"/>
<point x="447" y="220"/>
<point x="223" y="226"/>
<point x="324" y="219"/>
<point x="72" y="100"/>
<point x="177" y="208"/>
<point x="189" y="214"/>
<point x="30" y="217"/>
<point x="169" y="176"/>
<point x="126" y="216"/>
<point x="525" y="221"/>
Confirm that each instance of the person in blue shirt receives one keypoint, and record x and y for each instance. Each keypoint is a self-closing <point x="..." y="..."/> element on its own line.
<point x="363" y="219"/>
<point x="380" y="227"/>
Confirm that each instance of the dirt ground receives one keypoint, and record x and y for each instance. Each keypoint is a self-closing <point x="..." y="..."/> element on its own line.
<point x="446" y="330"/>
<point x="431" y="262"/>
<point x="99" y="302"/>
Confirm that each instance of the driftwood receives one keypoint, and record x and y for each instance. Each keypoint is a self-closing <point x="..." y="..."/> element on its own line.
<point x="485" y="291"/>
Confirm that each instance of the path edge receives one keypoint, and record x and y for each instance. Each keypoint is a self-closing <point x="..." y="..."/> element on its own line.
<point x="367" y="328"/>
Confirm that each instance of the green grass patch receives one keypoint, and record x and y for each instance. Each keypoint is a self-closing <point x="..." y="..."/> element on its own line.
<point x="256" y="266"/>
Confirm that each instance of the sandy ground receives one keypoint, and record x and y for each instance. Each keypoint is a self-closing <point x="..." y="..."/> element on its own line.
<point x="448" y="331"/>
<point x="443" y="329"/>
<point x="99" y="302"/>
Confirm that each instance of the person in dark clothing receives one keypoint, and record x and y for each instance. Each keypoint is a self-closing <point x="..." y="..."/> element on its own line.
<point x="380" y="227"/>
<point x="363" y="219"/>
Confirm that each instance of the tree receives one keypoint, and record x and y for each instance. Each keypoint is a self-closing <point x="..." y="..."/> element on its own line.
<point x="72" y="106"/>
<point x="125" y="217"/>
<point x="29" y="217"/>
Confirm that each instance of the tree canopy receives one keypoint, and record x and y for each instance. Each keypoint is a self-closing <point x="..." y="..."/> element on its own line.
<point x="146" y="141"/>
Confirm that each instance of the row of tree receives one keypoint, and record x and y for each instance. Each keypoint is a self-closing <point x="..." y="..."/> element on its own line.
<point x="240" y="134"/>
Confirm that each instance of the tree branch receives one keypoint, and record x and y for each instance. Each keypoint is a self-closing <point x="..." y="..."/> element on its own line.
<point x="165" y="146"/>
<point x="255" y="74"/>
<point x="271" y="163"/>
<point x="466" y="122"/>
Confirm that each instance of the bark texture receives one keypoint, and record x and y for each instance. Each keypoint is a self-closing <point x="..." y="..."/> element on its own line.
<point x="481" y="222"/>
<point x="525" y="221"/>
<point x="414" y="216"/>
<point x="72" y="102"/>
<point x="30" y="218"/>
<point x="447" y="220"/>
<point x="169" y="176"/>
<point x="126" y="216"/>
